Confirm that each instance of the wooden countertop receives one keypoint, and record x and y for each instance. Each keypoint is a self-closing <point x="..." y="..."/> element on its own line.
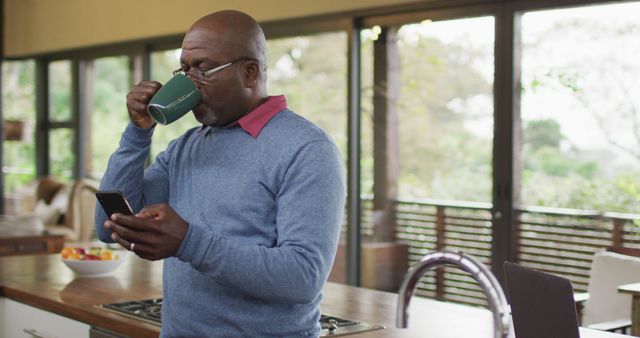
<point x="43" y="281"/>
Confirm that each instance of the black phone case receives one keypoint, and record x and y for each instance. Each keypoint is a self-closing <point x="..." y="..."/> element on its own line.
<point x="113" y="202"/>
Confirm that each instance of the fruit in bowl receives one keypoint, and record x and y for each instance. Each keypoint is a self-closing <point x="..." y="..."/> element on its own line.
<point x="92" y="261"/>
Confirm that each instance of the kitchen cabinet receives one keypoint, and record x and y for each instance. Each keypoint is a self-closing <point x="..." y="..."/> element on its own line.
<point x="20" y="320"/>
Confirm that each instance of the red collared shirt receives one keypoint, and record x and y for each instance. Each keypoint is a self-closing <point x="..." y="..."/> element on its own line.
<point x="253" y="122"/>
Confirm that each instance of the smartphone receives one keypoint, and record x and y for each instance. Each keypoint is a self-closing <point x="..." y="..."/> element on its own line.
<point x="113" y="202"/>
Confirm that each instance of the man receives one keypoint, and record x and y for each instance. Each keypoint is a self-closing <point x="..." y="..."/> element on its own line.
<point x="246" y="209"/>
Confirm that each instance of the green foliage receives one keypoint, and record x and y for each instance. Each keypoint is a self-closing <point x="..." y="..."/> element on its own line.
<point x="109" y="114"/>
<point x="18" y="92"/>
<point x="61" y="158"/>
<point x="620" y="193"/>
<point x="60" y="90"/>
<point x="441" y="154"/>
<point x="541" y="133"/>
<point x="551" y="161"/>
<point x="560" y="78"/>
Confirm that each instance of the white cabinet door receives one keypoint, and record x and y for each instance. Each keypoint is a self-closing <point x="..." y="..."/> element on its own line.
<point x="3" y="323"/>
<point x="18" y="320"/>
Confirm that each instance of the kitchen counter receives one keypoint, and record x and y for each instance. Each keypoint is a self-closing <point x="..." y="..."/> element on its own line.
<point x="44" y="282"/>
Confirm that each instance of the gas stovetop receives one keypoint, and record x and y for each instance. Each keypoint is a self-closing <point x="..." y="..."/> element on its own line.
<point x="149" y="310"/>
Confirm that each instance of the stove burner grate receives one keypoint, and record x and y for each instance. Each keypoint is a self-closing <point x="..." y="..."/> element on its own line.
<point x="150" y="311"/>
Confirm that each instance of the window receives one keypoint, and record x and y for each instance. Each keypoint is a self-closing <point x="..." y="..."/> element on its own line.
<point x="18" y="108"/>
<point x="60" y="91"/>
<point x="581" y="108"/>
<point x="432" y="83"/>
<point x="311" y="71"/>
<point x="61" y="156"/>
<point x="444" y="108"/>
<point x="107" y="110"/>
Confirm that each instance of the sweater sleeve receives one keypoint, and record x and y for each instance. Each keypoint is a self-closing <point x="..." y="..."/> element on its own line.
<point x="125" y="172"/>
<point x="310" y="206"/>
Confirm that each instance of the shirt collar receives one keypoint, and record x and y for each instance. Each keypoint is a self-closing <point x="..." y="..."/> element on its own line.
<point x="254" y="122"/>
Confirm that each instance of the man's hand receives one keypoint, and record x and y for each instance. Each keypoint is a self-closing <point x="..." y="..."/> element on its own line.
<point x="137" y="101"/>
<point x="157" y="231"/>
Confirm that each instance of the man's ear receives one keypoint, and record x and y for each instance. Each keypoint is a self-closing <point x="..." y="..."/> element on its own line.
<point x="251" y="74"/>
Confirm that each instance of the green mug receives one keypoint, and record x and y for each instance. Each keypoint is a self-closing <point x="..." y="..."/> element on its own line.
<point x="176" y="98"/>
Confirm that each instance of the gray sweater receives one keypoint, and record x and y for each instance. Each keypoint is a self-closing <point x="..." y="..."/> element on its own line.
<point x="264" y="219"/>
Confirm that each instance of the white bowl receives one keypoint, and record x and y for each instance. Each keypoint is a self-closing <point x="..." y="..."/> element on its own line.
<point x="95" y="268"/>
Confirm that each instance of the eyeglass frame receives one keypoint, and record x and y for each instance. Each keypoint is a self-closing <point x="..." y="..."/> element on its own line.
<point x="204" y="73"/>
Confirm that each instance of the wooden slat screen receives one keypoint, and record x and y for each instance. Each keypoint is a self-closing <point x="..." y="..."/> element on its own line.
<point x="558" y="241"/>
<point x="430" y="225"/>
<point x="563" y="241"/>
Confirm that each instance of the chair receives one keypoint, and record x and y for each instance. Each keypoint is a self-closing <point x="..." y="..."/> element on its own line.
<point x="606" y="309"/>
<point x="81" y="209"/>
<point x="47" y="187"/>
<point x="78" y="219"/>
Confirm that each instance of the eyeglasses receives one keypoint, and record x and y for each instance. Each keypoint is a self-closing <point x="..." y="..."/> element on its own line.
<point x="201" y="75"/>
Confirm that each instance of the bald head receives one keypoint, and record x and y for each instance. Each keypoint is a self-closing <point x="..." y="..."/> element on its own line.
<point x="237" y="34"/>
<point x="232" y="46"/>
